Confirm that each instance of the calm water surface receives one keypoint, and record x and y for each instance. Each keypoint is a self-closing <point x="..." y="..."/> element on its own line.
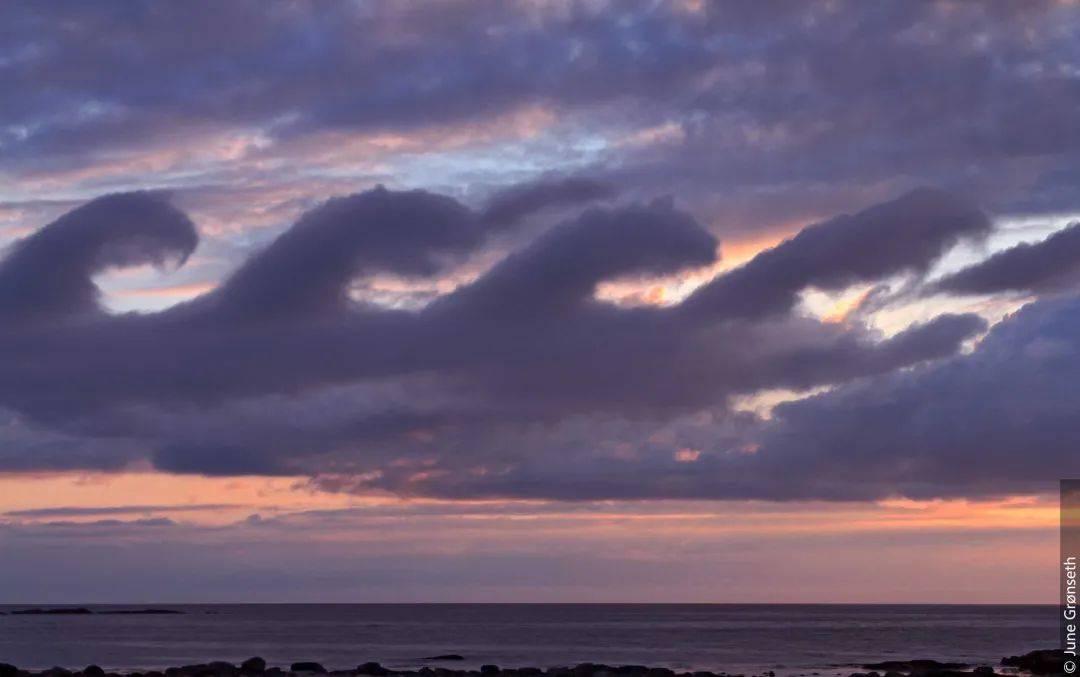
<point x="789" y="639"/>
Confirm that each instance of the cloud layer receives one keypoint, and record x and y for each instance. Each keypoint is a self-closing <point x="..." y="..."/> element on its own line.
<point x="395" y="235"/>
<point x="519" y="381"/>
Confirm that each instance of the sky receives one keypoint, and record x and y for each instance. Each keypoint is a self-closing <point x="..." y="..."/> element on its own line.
<point x="537" y="301"/>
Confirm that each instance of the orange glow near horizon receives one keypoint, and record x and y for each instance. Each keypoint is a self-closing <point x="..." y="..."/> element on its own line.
<point x="217" y="500"/>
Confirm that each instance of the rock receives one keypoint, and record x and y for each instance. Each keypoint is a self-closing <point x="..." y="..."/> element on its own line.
<point x="57" y="671"/>
<point x="93" y="671"/>
<point x="984" y="671"/>
<point x="307" y="666"/>
<point x="221" y="668"/>
<point x="1039" y="662"/>
<point x="253" y="664"/>
<point x="917" y="667"/>
<point x="140" y="612"/>
<point x="371" y="668"/>
<point x="489" y="669"/>
<point x="446" y="657"/>
<point x="8" y="670"/>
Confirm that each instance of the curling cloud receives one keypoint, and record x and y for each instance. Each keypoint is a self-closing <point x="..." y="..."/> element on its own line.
<point x="1053" y="264"/>
<point x="493" y="388"/>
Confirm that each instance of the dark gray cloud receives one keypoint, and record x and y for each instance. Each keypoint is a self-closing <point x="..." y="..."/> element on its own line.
<point x="515" y="203"/>
<point x="777" y="113"/>
<point x="310" y="266"/>
<point x="278" y="372"/>
<point x="995" y="422"/>
<point x="50" y="272"/>
<point x="1053" y="264"/>
<point x="904" y="235"/>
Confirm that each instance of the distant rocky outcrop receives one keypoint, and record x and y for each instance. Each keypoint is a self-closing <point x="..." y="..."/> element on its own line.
<point x="1043" y="662"/>
<point x="1040" y="662"/>
<point x="923" y="668"/>
<point x="83" y="611"/>
<point x="139" y="612"/>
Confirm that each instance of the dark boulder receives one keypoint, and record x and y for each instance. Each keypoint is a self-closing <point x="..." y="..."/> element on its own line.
<point x="254" y="664"/>
<point x="489" y="670"/>
<point x="917" y="667"/>
<point x="8" y="670"/>
<point x="93" y="671"/>
<point x="307" y="666"/>
<point x="984" y="671"/>
<point x="1039" y="662"/>
<point x="371" y="668"/>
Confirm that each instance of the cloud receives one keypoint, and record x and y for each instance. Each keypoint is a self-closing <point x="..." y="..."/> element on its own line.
<point x="903" y="235"/>
<point x="1053" y="264"/>
<point x="992" y="422"/>
<point x="309" y="268"/>
<point x="515" y="203"/>
<point x="647" y="551"/>
<point x="772" y="117"/>
<point x="49" y="273"/>
<point x="90" y="511"/>
<point x="277" y="371"/>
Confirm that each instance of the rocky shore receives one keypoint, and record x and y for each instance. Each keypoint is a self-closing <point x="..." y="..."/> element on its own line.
<point x="83" y="611"/>
<point x="1042" y="662"/>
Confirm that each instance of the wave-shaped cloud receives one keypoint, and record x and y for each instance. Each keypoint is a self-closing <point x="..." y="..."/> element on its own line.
<point x="496" y="387"/>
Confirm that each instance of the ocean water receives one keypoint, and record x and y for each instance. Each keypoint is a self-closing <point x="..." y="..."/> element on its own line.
<point x="789" y="639"/>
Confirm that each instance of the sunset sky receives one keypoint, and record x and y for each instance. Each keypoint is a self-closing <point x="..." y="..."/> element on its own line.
<point x="537" y="301"/>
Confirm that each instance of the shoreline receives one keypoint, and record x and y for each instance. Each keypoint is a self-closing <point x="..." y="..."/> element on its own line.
<point x="1038" y="662"/>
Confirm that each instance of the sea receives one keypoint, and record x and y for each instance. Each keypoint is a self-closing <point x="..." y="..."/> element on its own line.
<point x="736" y="638"/>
